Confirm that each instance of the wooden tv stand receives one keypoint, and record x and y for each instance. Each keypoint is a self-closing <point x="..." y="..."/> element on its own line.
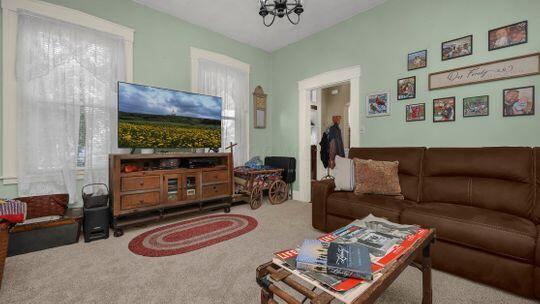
<point x="167" y="186"/>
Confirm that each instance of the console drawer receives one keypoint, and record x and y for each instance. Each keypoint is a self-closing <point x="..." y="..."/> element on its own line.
<point x="132" y="201"/>
<point x="215" y="190"/>
<point x="215" y="176"/>
<point x="140" y="183"/>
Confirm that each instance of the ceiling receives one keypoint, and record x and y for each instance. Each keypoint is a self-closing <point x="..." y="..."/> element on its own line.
<point x="240" y="20"/>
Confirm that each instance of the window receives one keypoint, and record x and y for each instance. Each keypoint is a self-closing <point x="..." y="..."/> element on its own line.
<point x="60" y="72"/>
<point x="228" y="78"/>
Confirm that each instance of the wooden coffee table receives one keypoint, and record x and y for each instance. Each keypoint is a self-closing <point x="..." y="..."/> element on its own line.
<point x="269" y="288"/>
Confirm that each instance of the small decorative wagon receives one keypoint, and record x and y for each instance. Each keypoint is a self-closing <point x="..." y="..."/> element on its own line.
<point x="251" y="183"/>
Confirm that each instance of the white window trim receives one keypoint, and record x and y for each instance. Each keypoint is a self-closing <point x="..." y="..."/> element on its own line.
<point x="197" y="54"/>
<point x="9" y="84"/>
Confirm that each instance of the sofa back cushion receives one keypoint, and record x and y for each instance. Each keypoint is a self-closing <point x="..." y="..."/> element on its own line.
<point x="409" y="170"/>
<point x="500" y="179"/>
<point x="536" y="210"/>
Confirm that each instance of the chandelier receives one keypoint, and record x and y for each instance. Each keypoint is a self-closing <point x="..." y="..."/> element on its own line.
<point x="281" y="8"/>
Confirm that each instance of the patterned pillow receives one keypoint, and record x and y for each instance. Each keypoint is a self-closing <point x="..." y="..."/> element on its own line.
<point x="377" y="177"/>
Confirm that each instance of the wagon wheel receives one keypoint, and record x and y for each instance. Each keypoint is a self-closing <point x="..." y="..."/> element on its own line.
<point x="256" y="198"/>
<point x="279" y="192"/>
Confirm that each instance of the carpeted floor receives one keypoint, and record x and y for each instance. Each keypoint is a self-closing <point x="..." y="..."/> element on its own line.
<point x="107" y="272"/>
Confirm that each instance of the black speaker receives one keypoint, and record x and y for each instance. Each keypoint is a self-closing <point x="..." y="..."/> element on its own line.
<point x="96" y="223"/>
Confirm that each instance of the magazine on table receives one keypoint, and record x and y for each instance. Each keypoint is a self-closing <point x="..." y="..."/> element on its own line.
<point x="386" y="241"/>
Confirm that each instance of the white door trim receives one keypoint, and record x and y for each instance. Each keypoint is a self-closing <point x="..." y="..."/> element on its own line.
<point x="352" y="75"/>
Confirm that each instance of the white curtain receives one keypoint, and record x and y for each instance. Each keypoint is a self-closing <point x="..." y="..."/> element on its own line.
<point x="67" y="80"/>
<point x="232" y="85"/>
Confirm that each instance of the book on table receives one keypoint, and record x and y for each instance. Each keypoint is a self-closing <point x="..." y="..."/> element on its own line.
<point x="386" y="242"/>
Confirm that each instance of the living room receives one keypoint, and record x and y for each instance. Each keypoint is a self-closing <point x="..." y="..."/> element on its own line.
<point x="440" y="127"/>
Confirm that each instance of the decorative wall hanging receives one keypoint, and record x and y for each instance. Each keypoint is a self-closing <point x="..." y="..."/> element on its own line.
<point x="518" y="101"/>
<point x="490" y="71"/>
<point x="457" y="48"/>
<point x="444" y="109"/>
<point x="406" y="88"/>
<point x="509" y="35"/>
<point x="259" y="108"/>
<point x="378" y="104"/>
<point x="476" y="106"/>
<point x="417" y="60"/>
<point x="415" y="112"/>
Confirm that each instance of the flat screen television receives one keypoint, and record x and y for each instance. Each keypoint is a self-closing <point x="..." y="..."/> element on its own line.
<point x="157" y="118"/>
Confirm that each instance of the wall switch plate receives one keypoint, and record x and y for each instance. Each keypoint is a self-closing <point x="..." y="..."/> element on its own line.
<point x="362" y="129"/>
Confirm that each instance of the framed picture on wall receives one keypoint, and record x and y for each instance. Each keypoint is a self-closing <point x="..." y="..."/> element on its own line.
<point x="378" y="104"/>
<point x="417" y="60"/>
<point x="508" y="35"/>
<point x="476" y="106"/>
<point x="444" y="109"/>
<point x="518" y="101"/>
<point x="415" y="112"/>
<point x="457" y="48"/>
<point x="406" y="88"/>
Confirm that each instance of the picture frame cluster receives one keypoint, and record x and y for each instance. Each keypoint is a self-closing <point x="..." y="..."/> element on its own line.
<point x="519" y="101"/>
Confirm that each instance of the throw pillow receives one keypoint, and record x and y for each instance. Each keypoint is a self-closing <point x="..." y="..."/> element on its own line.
<point x="377" y="177"/>
<point x="344" y="174"/>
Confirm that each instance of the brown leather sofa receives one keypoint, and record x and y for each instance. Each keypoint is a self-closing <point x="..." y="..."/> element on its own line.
<point x="484" y="203"/>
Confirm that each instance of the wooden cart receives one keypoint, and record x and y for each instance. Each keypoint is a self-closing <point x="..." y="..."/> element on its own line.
<point x="251" y="183"/>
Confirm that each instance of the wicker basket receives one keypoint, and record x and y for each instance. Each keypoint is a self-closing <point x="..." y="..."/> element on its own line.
<point x="4" y="238"/>
<point x="45" y="205"/>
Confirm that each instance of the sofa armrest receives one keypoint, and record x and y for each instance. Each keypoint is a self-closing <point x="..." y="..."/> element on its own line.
<point x="538" y="246"/>
<point x="45" y="205"/>
<point x="320" y="190"/>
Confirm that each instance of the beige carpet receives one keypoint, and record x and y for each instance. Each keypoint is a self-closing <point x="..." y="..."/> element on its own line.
<point x="107" y="272"/>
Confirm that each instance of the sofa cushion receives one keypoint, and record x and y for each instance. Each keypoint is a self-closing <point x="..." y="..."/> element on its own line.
<point x="410" y="165"/>
<point x="536" y="211"/>
<point x="347" y="204"/>
<point x="492" y="231"/>
<point x="376" y="177"/>
<point x="500" y="179"/>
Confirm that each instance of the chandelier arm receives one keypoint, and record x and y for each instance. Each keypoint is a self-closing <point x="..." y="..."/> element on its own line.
<point x="290" y="20"/>
<point x="272" y="22"/>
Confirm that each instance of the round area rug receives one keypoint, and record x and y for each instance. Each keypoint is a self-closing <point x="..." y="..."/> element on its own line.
<point x="193" y="234"/>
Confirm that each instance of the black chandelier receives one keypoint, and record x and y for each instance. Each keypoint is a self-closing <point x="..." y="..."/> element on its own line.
<point x="281" y="8"/>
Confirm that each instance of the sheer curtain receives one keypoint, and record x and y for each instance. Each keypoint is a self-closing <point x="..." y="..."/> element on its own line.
<point x="232" y="85"/>
<point x="66" y="78"/>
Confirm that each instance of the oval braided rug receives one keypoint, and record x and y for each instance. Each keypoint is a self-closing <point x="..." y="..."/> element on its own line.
<point x="192" y="234"/>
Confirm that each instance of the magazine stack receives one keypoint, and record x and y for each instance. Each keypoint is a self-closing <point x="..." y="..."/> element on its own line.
<point x="386" y="242"/>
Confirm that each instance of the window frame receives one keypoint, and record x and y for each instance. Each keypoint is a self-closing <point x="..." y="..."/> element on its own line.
<point x="197" y="54"/>
<point x="10" y="10"/>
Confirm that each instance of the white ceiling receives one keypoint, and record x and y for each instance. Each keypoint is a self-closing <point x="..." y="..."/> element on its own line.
<point x="240" y="20"/>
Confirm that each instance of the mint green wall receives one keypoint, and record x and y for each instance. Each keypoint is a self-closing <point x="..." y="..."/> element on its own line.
<point x="380" y="39"/>
<point x="162" y="54"/>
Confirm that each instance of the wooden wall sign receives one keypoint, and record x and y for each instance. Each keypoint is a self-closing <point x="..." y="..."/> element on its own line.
<point x="259" y="108"/>
<point x="490" y="71"/>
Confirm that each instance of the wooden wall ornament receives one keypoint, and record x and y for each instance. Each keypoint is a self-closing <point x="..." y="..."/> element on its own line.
<point x="515" y="67"/>
<point x="259" y="108"/>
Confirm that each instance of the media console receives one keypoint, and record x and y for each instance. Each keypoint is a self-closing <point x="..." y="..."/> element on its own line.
<point x="150" y="187"/>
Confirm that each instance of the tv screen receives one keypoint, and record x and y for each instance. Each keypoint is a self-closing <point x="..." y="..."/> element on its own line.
<point x="150" y="117"/>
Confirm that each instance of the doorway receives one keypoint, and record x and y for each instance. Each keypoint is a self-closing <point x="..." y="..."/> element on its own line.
<point x="327" y="104"/>
<point x="306" y="87"/>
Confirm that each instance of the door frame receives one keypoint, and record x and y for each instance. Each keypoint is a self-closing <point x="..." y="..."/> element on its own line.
<point x="350" y="74"/>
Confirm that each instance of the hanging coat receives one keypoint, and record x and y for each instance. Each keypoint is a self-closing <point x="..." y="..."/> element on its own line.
<point x="325" y="149"/>
<point x="334" y="134"/>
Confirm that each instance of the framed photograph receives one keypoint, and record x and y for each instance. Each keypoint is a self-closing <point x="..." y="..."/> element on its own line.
<point x="508" y="35"/>
<point x="457" y="48"/>
<point x="444" y="109"/>
<point x="476" y="106"/>
<point x="406" y="88"/>
<point x="417" y="60"/>
<point x="415" y="112"/>
<point x="378" y="104"/>
<point x="518" y="101"/>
